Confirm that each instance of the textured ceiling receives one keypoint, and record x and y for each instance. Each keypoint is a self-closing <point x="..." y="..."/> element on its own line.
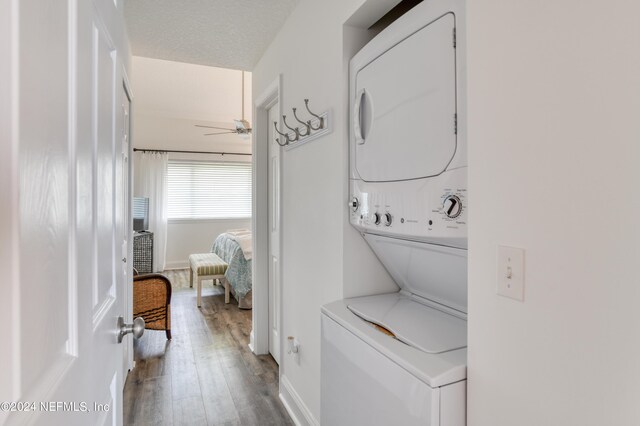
<point x="221" y="33"/>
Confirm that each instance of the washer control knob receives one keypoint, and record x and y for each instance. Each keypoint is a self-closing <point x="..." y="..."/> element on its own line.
<point x="387" y="219"/>
<point x="376" y="218"/>
<point x="354" y="204"/>
<point x="452" y="206"/>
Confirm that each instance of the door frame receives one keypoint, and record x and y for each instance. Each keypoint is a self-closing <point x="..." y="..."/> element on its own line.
<point x="128" y="291"/>
<point x="275" y="232"/>
<point x="259" y="337"/>
<point x="9" y="173"/>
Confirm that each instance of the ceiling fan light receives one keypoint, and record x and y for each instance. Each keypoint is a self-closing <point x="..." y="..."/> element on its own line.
<point x="243" y="126"/>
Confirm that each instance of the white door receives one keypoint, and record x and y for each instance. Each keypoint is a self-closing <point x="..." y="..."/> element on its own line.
<point x="61" y="358"/>
<point x="274" y="238"/>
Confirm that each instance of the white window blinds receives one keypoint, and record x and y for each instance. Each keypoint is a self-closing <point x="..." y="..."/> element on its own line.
<point x="208" y="190"/>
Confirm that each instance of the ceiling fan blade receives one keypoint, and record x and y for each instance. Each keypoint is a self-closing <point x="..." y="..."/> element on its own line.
<point x="220" y="133"/>
<point x="212" y="127"/>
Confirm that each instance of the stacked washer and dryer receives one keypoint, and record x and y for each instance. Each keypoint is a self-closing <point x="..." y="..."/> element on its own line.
<point x="400" y="358"/>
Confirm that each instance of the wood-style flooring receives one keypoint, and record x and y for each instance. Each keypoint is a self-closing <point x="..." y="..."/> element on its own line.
<point x="206" y="375"/>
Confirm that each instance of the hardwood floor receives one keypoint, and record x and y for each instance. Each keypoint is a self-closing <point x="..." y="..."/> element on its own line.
<point x="206" y="375"/>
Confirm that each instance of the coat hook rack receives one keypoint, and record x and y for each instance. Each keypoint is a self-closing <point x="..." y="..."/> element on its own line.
<point x="306" y="124"/>
<point x="294" y="130"/>
<point x="286" y="135"/>
<point x="317" y="126"/>
<point x="320" y="119"/>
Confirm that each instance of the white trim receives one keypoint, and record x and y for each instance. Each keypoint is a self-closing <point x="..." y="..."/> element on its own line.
<point x="128" y="292"/>
<point x="176" y="264"/>
<point x="260" y="213"/>
<point x="251" y="346"/>
<point x="10" y="351"/>
<point x="294" y="405"/>
<point x="14" y="204"/>
<point x="72" y="76"/>
<point x="328" y="128"/>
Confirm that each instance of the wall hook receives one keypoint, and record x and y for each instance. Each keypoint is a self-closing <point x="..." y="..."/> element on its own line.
<point x="307" y="124"/>
<point x="320" y="119"/>
<point x="296" y="131"/>
<point x="286" y="135"/>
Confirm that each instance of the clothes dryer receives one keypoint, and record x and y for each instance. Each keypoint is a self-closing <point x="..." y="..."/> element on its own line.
<point x="400" y="358"/>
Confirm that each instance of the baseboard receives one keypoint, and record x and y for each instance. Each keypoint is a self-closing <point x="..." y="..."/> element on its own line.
<point x="298" y="411"/>
<point x="251" y="346"/>
<point x="176" y="264"/>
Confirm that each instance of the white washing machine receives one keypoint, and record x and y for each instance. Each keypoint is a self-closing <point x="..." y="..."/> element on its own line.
<point x="400" y="358"/>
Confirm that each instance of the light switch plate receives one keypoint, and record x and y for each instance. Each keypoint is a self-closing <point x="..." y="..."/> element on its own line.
<point x="511" y="272"/>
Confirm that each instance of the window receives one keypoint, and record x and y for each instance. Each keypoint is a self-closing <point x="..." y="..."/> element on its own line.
<point x="208" y="190"/>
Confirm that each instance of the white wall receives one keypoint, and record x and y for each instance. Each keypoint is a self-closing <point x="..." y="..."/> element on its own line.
<point x="322" y="256"/>
<point x="169" y="99"/>
<point x="188" y="237"/>
<point x="554" y="165"/>
<point x="188" y="91"/>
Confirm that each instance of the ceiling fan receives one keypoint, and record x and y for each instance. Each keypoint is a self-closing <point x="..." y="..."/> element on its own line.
<point x="243" y="128"/>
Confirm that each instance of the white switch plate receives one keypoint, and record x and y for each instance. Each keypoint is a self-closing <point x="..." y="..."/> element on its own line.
<point x="511" y="272"/>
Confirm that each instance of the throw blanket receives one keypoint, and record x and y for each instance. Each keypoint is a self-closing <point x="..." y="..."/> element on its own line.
<point x="239" y="271"/>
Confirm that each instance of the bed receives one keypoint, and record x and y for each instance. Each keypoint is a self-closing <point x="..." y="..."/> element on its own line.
<point x="234" y="247"/>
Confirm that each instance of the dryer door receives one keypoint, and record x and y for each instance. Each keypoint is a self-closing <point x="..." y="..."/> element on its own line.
<point x="405" y="105"/>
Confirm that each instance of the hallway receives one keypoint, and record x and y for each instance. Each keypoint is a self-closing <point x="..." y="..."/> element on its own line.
<point x="207" y="374"/>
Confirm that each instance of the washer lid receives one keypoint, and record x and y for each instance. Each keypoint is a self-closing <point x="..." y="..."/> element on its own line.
<point x="429" y="271"/>
<point x="413" y="323"/>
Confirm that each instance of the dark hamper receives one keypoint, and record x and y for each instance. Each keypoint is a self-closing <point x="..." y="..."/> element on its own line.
<point x="143" y="252"/>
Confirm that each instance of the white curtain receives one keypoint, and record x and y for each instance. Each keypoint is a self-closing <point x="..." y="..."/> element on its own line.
<point x="150" y="180"/>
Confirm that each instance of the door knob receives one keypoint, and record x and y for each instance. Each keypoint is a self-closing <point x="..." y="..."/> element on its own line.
<point x="137" y="328"/>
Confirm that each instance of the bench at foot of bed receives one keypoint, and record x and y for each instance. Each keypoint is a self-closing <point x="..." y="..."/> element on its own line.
<point x="208" y="266"/>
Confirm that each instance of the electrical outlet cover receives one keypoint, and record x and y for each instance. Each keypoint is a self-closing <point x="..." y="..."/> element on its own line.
<point x="511" y="272"/>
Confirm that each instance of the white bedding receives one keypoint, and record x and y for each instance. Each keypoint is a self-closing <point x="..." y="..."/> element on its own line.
<point x="243" y="238"/>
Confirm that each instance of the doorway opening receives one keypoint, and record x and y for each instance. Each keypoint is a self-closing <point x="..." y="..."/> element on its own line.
<point x="214" y="203"/>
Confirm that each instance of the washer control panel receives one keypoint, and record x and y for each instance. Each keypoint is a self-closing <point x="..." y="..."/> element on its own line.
<point x="433" y="209"/>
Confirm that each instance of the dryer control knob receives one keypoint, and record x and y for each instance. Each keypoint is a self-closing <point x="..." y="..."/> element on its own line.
<point x="376" y="218"/>
<point x="354" y="204"/>
<point x="452" y="206"/>
<point x="387" y="219"/>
